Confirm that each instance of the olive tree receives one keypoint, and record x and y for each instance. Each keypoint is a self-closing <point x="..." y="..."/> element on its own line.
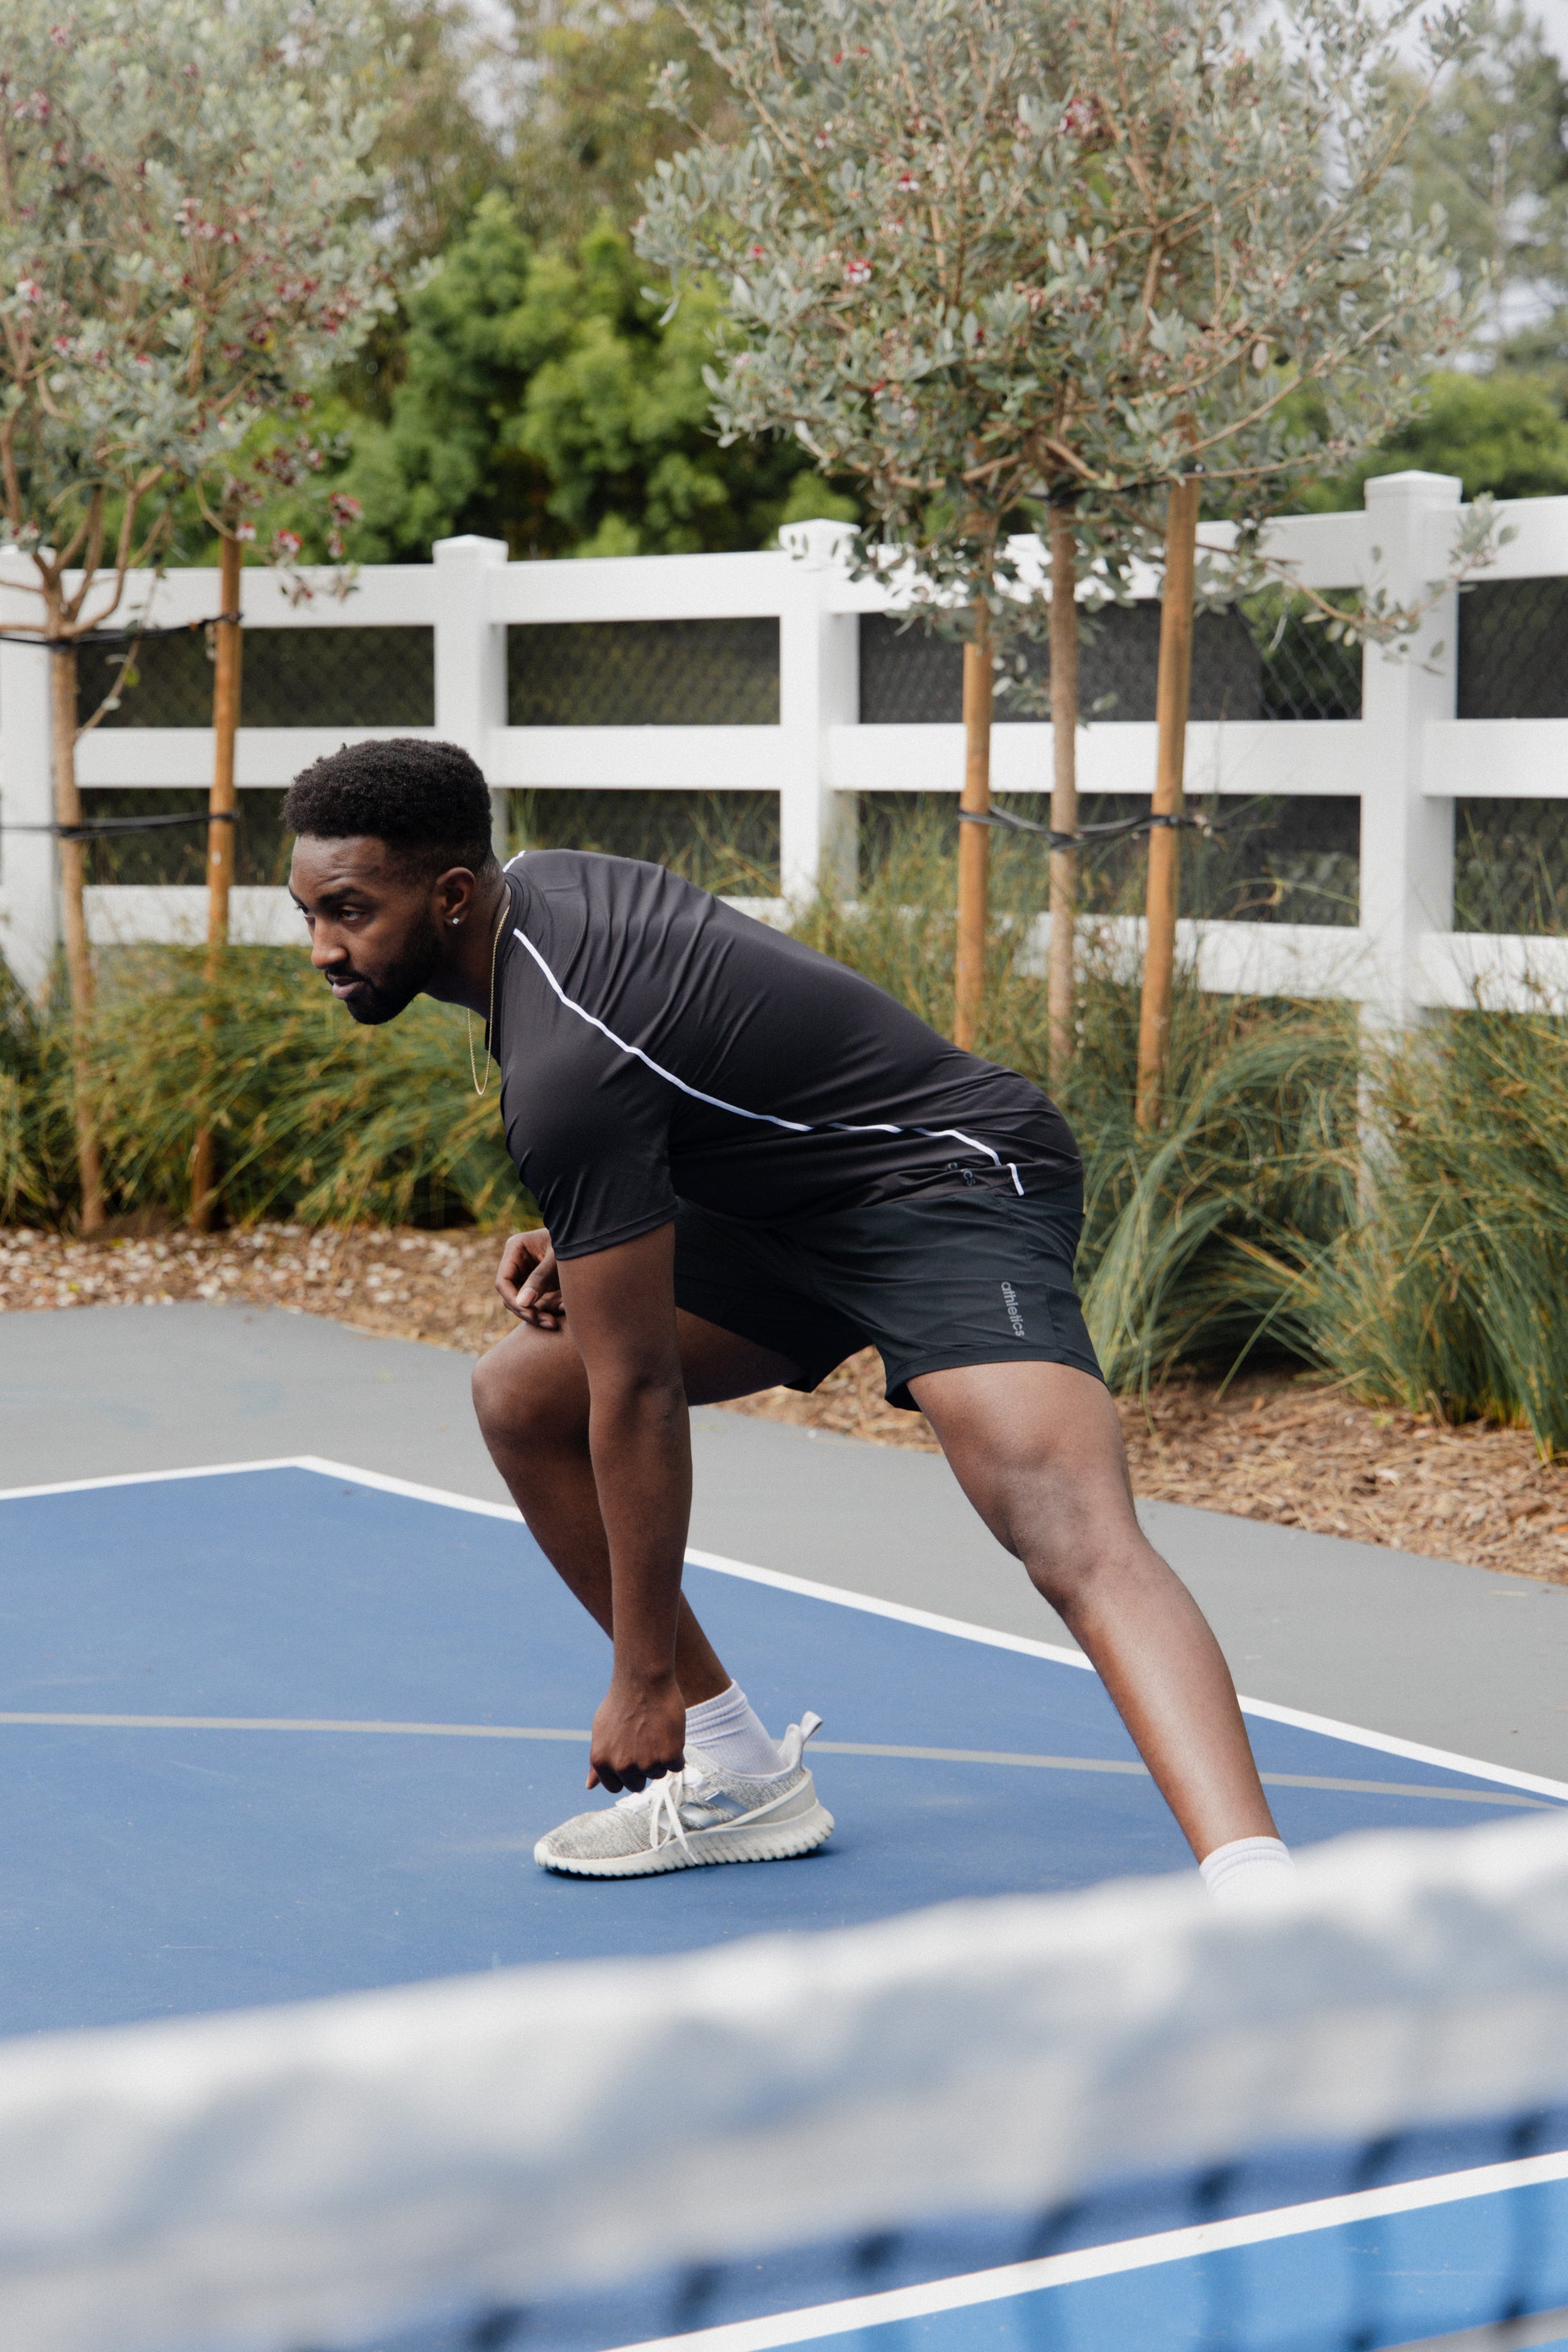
<point x="884" y="232"/>
<point x="1000" y="261"/>
<point x="269" y="464"/>
<point x="185" y="238"/>
<point x="1252" y="301"/>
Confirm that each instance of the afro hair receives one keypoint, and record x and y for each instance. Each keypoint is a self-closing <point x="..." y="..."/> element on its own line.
<point x="428" y="801"/>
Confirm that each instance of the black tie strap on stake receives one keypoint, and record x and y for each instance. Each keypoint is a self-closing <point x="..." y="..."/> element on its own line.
<point x="1087" y="836"/>
<point x="114" y="637"/>
<point x="101" y="828"/>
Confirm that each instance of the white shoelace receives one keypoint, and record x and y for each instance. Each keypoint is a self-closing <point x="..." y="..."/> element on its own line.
<point x="664" y="1823"/>
<point x="662" y="1801"/>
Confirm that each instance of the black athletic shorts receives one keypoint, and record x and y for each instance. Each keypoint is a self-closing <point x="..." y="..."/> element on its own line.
<point x="977" y="1276"/>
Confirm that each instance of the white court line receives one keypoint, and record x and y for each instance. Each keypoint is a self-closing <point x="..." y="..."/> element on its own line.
<point x="158" y="1477"/>
<point x="822" y="1747"/>
<point x="1012" y="2278"/>
<point x="322" y="1723"/>
<point x="1329" y="1727"/>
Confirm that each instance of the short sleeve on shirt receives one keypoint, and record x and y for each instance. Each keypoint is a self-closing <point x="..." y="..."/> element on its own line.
<point x="596" y="1159"/>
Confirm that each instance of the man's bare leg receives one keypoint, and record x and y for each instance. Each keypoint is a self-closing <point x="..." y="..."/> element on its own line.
<point x="531" y="1395"/>
<point x="1037" y="1450"/>
<point x="1035" y="1447"/>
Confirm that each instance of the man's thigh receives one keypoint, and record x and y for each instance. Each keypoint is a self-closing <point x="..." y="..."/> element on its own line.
<point x="718" y="1364"/>
<point x="534" y="1376"/>
<point x="1038" y="1449"/>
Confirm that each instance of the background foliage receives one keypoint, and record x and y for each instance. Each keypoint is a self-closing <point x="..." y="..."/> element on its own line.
<point x="546" y="401"/>
<point x="539" y="115"/>
<point x="546" y="121"/>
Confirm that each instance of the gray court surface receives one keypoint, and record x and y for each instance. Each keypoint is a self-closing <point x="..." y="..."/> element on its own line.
<point x="1456" y="1657"/>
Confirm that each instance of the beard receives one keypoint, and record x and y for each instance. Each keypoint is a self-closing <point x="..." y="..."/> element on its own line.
<point x="382" y="1000"/>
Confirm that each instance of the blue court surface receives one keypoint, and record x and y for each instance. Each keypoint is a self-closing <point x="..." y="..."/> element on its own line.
<point x="284" y="1730"/>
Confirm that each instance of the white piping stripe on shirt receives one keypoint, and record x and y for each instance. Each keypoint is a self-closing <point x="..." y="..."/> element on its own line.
<point x="795" y="1125"/>
<point x="765" y="1118"/>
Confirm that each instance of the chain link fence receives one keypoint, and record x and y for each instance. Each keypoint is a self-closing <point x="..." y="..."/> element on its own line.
<point x="1290" y="860"/>
<point x="1513" y="650"/>
<point x="1511" y="856"/>
<point x="179" y="854"/>
<point x="1297" y="862"/>
<point x="1265" y="661"/>
<point x="643" y="674"/>
<point x="1510" y="867"/>
<point x="726" y="841"/>
<point x="343" y="677"/>
<point x="1260" y="661"/>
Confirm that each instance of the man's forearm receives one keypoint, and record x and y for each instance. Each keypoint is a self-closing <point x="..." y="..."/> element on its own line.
<point x="640" y="1440"/>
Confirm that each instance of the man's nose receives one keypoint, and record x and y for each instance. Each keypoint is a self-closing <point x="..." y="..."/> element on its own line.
<point x="324" y="950"/>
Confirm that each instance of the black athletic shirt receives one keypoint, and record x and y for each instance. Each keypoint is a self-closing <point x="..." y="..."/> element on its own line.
<point x="655" y="1046"/>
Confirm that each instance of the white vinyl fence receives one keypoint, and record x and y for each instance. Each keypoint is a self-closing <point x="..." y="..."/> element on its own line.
<point x="472" y="657"/>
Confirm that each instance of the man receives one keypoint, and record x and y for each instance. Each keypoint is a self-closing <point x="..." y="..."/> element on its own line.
<point x="750" y="1162"/>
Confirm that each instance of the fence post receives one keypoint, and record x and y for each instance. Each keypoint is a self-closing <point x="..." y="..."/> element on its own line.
<point x="29" y="908"/>
<point x="819" y="687"/>
<point x="470" y="656"/>
<point x="1406" y="840"/>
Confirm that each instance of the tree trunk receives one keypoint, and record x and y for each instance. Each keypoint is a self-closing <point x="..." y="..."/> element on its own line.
<point x="1061" y="997"/>
<point x="79" y="956"/>
<point x="1172" y="698"/>
<point x="973" y="840"/>
<point x="222" y="803"/>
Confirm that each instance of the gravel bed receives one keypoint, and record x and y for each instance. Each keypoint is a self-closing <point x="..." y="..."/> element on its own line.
<point x="407" y="1286"/>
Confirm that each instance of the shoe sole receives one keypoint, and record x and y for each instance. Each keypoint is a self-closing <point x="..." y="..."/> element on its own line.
<point x="781" y="1842"/>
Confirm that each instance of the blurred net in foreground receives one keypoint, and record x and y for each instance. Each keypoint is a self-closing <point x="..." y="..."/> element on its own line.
<point x="1120" y="2121"/>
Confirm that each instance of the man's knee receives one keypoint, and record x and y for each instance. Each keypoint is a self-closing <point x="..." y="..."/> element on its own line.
<point x="1075" y="1555"/>
<point x="523" y="1389"/>
<point x="1064" y="1573"/>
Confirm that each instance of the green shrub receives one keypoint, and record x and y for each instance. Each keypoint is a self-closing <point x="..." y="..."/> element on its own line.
<point x="38" y="1172"/>
<point x="315" y="1120"/>
<point x="1450" y="1295"/>
<point x="1202" y="1239"/>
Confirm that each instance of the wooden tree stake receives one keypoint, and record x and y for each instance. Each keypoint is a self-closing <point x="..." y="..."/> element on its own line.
<point x="222" y="804"/>
<point x="1061" y="987"/>
<point x="79" y="955"/>
<point x="1172" y="698"/>
<point x="973" y="840"/>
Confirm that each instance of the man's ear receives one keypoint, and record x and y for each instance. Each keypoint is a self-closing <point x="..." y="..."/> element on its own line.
<point x="453" y="895"/>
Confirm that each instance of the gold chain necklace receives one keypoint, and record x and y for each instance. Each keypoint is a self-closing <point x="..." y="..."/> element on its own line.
<point x="490" y="1016"/>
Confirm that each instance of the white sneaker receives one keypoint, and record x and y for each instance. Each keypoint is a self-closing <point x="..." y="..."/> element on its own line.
<point x="699" y="1814"/>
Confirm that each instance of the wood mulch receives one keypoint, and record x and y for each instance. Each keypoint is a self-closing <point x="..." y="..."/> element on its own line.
<point x="405" y="1285"/>
<point x="1292" y="1450"/>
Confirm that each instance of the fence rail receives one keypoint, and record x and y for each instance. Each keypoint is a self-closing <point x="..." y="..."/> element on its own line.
<point x="1428" y="796"/>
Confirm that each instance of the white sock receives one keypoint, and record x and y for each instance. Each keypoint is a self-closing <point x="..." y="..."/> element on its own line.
<point x="727" y="1729"/>
<point x="1248" y="1866"/>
